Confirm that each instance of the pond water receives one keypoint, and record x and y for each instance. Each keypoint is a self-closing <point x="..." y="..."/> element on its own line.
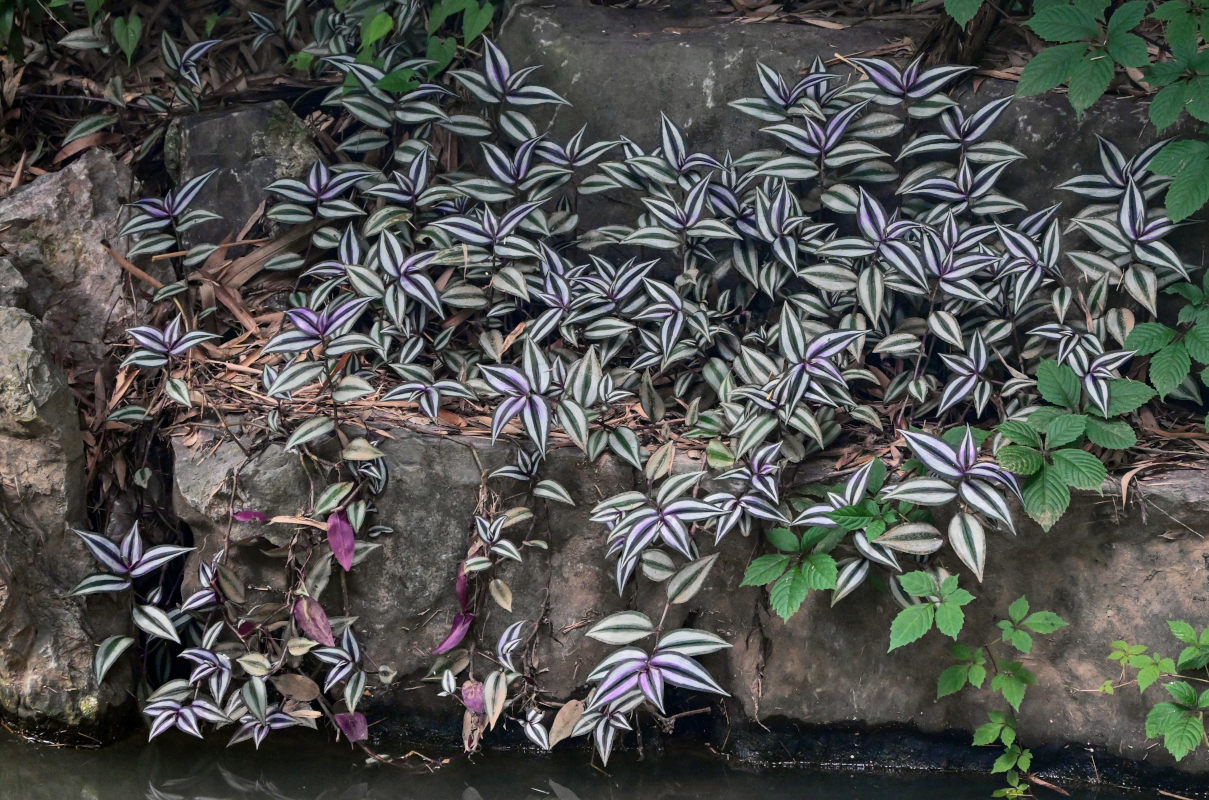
<point x="306" y="769"/>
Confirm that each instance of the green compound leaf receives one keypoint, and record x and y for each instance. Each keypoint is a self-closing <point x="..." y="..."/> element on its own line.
<point x="1063" y="23"/>
<point x="911" y="624"/>
<point x="1050" y="68"/>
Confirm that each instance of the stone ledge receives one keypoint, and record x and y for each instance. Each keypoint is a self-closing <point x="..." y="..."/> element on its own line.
<point x="1112" y="572"/>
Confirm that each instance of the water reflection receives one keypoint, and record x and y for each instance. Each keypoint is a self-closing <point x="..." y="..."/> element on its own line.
<point x="305" y="769"/>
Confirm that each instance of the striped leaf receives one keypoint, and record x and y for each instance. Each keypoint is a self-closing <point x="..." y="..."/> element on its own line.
<point x="946" y="326"/>
<point x="553" y="490"/>
<point x="108" y="653"/>
<point x="692" y="642"/>
<point x="922" y="491"/>
<point x="621" y="628"/>
<point x="968" y="540"/>
<point x="685" y="584"/>
<point x="657" y="565"/>
<point x="155" y="622"/>
<point x="89" y="126"/>
<point x="309" y="431"/>
<point x="915" y="538"/>
<point x="100" y="584"/>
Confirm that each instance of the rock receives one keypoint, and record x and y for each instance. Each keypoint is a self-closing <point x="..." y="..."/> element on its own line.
<point x="689" y="65"/>
<point x="46" y="675"/>
<point x="14" y="290"/>
<point x="54" y="232"/>
<point x="250" y="146"/>
<point x="826" y="667"/>
<point x="1100" y="568"/>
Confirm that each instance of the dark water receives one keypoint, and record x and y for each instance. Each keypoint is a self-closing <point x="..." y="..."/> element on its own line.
<point x="177" y="768"/>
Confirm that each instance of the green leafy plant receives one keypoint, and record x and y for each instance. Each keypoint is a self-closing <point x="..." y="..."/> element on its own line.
<point x="1010" y="679"/>
<point x="795" y="570"/>
<point x="1178" y="721"/>
<point x="1047" y="447"/>
<point x="1089" y="49"/>
<point x="938" y="603"/>
<point x="126" y="34"/>
<point x="1173" y="351"/>
<point x="734" y="312"/>
<point x="1090" y="45"/>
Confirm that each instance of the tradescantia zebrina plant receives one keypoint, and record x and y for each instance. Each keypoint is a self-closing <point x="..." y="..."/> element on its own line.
<point x="865" y="278"/>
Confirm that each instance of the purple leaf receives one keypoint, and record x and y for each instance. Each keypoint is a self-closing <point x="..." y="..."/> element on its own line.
<point x="247" y="515"/>
<point x="472" y="696"/>
<point x="340" y="537"/>
<point x="353" y="726"/>
<point x="461" y="624"/>
<point x="312" y="621"/>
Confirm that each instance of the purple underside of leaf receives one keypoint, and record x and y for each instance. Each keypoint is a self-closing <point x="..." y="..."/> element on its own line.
<point x="472" y="696"/>
<point x="340" y="537"/>
<point x="248" y="515"/>
<point x="312" y="621"/>
<point x="353" y="726"/>
<point x="457" y="632"/>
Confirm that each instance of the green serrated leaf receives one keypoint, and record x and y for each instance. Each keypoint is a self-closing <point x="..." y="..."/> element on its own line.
<point x="1126" y="395"/>
<point x="1046" y="497"/>
<point x="918" y="583"/>
<point x="1089" y="80"/>
<point x="950" y="618"/>
<point x="1018" y="459"/>
<point x="1182" y="631"/>
<point x="1020" y="433"/>
<point x="819" y="570"/>
<point x="911" y="624"/>
<point x="788" y="594"/>
<point x="952" y="680"/>
<point x="1050" y="68"/>
<point x="1058" y="384"/>
<point x="1169" y="367"/>
<point x="1196" y="342"/>
<point x="1112" y="435"/>
<point x="1063" y="23"/>
<point x="1064" y="429"/>
<point x="987" y="733"/>
<point x="783" y="539"/>
<point x="765" y="569"/>
<point x="1149" y="337"/>
<point x="962" y="11"/>
<point x="1079" y="468"/>
<point x="1018" y="609"/>
<point x="1044" y="622"/>
<point x="1184" y="734"/>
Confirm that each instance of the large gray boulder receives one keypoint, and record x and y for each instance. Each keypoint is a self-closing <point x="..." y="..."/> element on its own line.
<point x="46" y="675"/>
<point x="54" y="233"/>
<point x="250" y="147"/>
<point x="1101" y="567"/>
